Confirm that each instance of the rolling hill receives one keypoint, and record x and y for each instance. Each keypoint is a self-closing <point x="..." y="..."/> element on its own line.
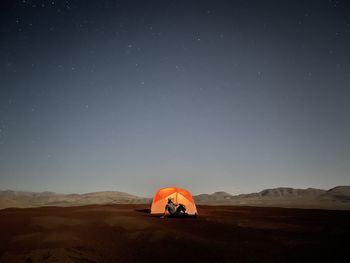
<point x="10" y="198"/>
<point x="335" y="198"/>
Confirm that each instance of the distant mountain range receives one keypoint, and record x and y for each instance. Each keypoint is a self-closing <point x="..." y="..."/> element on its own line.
<point x="335" y="198"/>
<point x="19" y="199"/>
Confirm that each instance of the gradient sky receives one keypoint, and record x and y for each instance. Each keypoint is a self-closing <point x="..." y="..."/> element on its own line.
<point x="207" y="95"/>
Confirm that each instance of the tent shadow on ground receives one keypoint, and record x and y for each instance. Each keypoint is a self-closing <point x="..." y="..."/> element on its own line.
<point x="148" y="211"/>
<point x="145" y="211"/>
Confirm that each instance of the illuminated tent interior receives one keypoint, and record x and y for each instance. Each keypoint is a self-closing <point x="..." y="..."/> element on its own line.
<point x="180" y="196"/>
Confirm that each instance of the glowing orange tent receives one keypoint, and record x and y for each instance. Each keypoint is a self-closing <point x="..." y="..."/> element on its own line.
<point x="180" y="196"/>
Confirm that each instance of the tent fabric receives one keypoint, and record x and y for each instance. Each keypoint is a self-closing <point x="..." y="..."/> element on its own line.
<point x="179" y="195"/>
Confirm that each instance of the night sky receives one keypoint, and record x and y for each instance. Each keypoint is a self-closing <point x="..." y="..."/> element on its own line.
<point x="207" y="95"/>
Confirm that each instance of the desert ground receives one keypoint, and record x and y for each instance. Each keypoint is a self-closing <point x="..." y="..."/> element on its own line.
<point x="128" y="233"/>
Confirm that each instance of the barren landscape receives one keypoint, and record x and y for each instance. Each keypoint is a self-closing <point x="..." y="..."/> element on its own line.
<point x="335" y="198"/>
<point x="128" y="233"/>
<point x="186" y="131"/>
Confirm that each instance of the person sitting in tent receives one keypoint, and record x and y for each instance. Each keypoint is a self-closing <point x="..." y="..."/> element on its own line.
<point x="174" y="210"/>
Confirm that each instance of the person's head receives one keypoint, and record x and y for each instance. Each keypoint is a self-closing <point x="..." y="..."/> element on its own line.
<point x="170" y="200"/>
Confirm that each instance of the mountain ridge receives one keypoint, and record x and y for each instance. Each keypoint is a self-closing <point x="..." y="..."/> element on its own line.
<point x="24" y="199"/>
<point x="335" y="198"/>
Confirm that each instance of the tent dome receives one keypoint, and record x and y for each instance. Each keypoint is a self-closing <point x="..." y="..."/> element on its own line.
<point x="180" y="196"/>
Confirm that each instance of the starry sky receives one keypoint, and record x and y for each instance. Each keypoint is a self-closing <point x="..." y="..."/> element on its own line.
<point x="232" y="96"/>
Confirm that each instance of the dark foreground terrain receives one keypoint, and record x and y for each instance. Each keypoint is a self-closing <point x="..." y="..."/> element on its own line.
<point x="127" y="233"/>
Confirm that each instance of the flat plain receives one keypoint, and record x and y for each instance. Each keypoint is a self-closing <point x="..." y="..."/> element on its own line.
<point x="128" y="233"/>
